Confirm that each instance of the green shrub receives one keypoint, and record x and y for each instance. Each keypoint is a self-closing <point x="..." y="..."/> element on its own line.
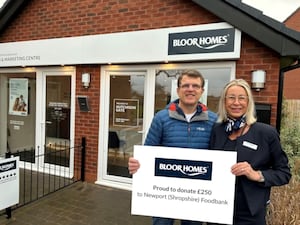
<point x="290" y="137"/>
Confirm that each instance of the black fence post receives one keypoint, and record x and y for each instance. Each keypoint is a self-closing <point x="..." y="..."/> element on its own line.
<point x="83" y="150"/>
<point x="8" y="210"/>
<point x="7" y="155"/>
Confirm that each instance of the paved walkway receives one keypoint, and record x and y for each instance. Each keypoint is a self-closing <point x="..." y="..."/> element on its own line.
<point x="78" y="204"/>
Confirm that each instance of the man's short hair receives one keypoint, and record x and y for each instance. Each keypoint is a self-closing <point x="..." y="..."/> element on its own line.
<point x="190" y="73"/>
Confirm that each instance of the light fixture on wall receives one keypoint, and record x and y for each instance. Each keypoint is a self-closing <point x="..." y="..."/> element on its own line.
<point x="258" y="79"/>
<point x="86" y="79"/>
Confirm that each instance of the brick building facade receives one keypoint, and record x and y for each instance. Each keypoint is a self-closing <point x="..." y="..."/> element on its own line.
<point x="292" y="78"/>
<point x="50" y="20"/>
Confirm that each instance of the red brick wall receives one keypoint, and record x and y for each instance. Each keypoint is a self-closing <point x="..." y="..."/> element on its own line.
<point x="292" y="78"/>
<point x="292" y="84"/>
<point x="43" y="19"/>
<point x="293" y="21"/>
<point x="87" y="123"/>
<point x="56" y="18"/>
<point x="256" y="56"/>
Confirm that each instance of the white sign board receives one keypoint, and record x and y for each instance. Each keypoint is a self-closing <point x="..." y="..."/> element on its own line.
<point x="115" y="48"/>
<point x="181" y="183"/>
<point x="9" y="182"/>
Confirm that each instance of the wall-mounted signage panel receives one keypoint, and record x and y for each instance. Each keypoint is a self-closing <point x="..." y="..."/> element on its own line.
<point x="187" y="43"/>
<point x="202" y="42"/>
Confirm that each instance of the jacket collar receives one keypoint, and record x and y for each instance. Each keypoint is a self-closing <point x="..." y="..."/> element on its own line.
<point x="173" y="106"/>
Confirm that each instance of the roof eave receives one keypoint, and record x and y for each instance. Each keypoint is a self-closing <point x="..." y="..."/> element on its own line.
<point x="266" y="30"/>
<point x="9" y="10"/>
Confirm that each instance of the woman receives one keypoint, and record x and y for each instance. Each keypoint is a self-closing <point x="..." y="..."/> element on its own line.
<point x="261" y="161"/>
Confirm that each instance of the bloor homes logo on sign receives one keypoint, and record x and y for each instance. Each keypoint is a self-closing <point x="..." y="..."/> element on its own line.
<point x="190" y="169"/>
<point x="208" y="41"/>
<point x="6" y="166"/>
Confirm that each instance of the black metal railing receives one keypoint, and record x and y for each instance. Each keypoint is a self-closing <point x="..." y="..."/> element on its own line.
<point x="44" y="173"/>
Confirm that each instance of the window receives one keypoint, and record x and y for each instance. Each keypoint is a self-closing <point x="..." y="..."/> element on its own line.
<point x="215" y="75"/>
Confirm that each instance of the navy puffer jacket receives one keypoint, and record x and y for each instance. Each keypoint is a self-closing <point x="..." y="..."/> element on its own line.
<point x="170" y="128"/>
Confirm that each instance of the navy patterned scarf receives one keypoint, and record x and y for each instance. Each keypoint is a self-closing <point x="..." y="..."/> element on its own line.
<point x="234" y="124"/>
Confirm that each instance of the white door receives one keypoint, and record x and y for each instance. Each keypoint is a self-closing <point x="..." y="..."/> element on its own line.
<point x="18" y="113"/>
<point x="37" y="117"/>
<point x="122" y="110"/>
<point x="56" y="121"/>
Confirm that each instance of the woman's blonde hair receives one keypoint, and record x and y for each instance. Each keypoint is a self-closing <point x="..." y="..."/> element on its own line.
<point x="250" y="114"/>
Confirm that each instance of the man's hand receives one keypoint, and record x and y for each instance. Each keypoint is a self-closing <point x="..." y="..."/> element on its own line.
<point x="133" y="165"/>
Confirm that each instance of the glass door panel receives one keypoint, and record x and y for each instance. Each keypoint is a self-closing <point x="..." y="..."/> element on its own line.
<point x="58" y="100"/>
<point x="125" y="120"/>
<point x="17" y="115"/>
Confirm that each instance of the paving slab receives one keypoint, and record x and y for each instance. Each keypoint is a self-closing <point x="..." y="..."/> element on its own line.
<point x="78" y="204"/>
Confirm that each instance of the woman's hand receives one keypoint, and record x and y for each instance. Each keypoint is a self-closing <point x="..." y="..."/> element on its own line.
<point x="245" y="169"/>
<point x="133" y="165"/>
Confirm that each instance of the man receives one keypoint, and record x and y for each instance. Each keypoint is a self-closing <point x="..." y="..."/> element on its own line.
<point x="184" y="123"/>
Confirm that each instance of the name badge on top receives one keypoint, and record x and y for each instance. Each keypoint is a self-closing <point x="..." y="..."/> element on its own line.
<point x="250" y="145"/>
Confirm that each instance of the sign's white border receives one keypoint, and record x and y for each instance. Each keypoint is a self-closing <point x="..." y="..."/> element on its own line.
<point x="184" y="198"/>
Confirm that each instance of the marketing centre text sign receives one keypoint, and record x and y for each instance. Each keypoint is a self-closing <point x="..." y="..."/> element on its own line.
<point x="185" y="43"/>
<point x="9" y="182"/>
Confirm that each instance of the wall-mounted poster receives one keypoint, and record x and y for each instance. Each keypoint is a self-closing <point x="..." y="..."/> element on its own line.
<point x="126" y="112"/>
<point x="18" y="96"/>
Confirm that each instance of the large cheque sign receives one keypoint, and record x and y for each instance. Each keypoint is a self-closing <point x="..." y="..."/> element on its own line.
<point x="182" y="183"/>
